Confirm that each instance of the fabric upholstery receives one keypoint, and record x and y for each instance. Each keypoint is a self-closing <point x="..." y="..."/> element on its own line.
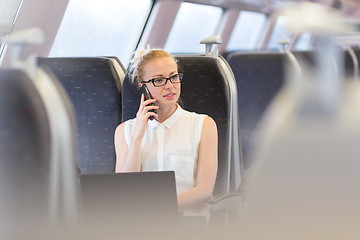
<point x="259" y="77"/>
<point x="94" y="89"/>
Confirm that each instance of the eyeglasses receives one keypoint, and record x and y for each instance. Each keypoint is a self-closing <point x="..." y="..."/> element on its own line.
<point x="161" y="81"/>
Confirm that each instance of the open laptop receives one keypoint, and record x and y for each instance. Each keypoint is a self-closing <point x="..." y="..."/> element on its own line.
<point x="125" y="199"/>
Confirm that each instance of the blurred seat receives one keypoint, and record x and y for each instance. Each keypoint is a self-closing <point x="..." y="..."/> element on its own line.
<point x="306" y="160"/>
<point x="349" y="66"/>
<point x="25" y="143"/>
<point x="259" y="77"/>
<point x="37" y="152"/>
<point x="94" y="87"/>
<point x="356" y="51"/>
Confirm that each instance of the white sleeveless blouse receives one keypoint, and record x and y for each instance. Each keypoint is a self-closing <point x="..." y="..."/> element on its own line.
<point x="171" y="146"/>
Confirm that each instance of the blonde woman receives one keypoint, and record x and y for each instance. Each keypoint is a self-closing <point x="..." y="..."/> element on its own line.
<point x="177" y="140"/>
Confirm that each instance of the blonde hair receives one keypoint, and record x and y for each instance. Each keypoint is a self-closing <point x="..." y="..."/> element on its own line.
<point x="141" y="58"/>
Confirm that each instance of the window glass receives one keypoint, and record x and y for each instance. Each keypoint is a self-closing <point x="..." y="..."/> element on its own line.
<point x="304" y="42"/>
<point x="2" y="46"/>
<point x="193" y="23"/>
<point x="246" y="31"/>
<point x="101" y="28"/>
<point x="279" y="33"/>
<point x="8" y="13"/>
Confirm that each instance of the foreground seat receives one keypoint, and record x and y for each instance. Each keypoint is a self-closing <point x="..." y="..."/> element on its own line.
<point x="308" y="159"/>
<point x="37" y="152"/>
<point x="37" y="145"/>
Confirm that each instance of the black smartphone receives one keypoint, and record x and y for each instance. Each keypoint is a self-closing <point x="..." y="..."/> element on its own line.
<point x="147" y="95"/>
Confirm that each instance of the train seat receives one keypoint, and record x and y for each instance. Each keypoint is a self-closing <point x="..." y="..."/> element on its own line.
<point x="37" y="152"/>
<point x="297" y="160"/>
<point x="23" y="125"/>
<point x="208" y="87"/>
<point x="94" y="87"/>
<point x="349" y="61"/>
<point x="259" y="77"/>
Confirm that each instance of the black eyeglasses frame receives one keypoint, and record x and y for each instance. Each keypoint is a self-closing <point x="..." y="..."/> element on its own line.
<point x="180" y="75"/>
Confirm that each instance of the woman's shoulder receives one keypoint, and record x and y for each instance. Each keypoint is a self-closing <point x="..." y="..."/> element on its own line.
<point x="209" y="122"/>
<point x="130" y="121"/>
<point x="191" y="114"/>
<point x="200" y="118"/>
<point x="122" y="125"/>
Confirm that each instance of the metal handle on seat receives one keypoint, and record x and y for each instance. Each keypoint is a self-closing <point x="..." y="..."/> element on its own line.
<point x="209" y="42"/>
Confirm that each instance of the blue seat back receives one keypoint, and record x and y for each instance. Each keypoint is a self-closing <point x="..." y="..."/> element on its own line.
<point x="259" y="77"/>
<point x="94" y="87"/>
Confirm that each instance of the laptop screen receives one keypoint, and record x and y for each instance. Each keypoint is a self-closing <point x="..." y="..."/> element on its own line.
<point x="129" y="198"/>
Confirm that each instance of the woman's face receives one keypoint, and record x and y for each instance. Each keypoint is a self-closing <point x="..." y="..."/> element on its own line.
<point x="162" y="67"/>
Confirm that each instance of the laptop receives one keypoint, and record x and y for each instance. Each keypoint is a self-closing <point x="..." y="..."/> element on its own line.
<point x="125" y="199"/>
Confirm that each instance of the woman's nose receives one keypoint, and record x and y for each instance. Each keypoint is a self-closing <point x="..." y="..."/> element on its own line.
<point x="169" y="84"/>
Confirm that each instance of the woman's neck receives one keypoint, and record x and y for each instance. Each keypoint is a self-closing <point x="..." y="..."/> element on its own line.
<point x="164" y="112"/>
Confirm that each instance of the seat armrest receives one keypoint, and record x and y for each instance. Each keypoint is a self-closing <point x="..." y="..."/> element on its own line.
<point x="228" y="202"/>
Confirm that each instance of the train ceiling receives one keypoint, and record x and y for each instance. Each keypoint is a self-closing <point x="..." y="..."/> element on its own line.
<point x="350" y="8"/>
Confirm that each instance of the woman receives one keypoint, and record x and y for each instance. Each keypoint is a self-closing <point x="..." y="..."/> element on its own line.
<point x="176" y="139"/>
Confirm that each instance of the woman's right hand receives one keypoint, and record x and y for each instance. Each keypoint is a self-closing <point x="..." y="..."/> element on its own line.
<point x="128" y="157"/>
<point x="143" y="115"/>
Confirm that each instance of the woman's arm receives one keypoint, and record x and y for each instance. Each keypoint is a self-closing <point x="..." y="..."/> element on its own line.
<point x="122" y="156"/>
<point x="207" y="167"/>
<point x="128" y="159"/>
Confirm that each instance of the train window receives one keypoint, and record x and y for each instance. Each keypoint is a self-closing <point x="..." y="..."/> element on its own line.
<point x="2" y="46"/>
<point x="8" y="13"/>
<point x="193" y="23"/>
<point x="246" y="31"/>
<point x="279" y="33"/>
<point x="101" y="28"/>
<point x="304" y="42"/>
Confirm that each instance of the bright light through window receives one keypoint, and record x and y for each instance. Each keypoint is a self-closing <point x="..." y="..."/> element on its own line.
<point x="8" y="12"/>
<point x="246" y="31"/>
<point x="280" y="33"/>
<point x="304" y="42"/>
<point x="101" y="28"/>
<point x="193" y="23"/>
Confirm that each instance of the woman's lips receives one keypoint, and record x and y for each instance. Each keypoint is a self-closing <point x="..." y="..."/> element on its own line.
<point x="169" y="95"/>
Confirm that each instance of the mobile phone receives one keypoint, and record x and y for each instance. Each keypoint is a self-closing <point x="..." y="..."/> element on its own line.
<point x="147" y="95"/>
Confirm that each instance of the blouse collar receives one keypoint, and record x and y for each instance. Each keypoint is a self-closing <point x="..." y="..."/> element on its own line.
<point x="168" y="123"/>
